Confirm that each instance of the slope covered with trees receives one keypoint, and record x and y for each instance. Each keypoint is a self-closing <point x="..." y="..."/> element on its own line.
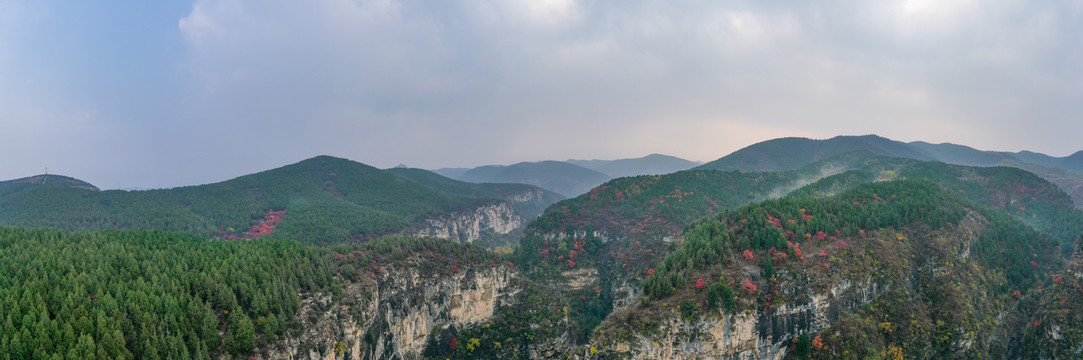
<point x="793" y="153"/>
<point x="13" y="186"/>
<point x="617" y="229"/>
<point x="319" y="200"/>
<point x="940" y="268"/>
<point x="147" y="295"/>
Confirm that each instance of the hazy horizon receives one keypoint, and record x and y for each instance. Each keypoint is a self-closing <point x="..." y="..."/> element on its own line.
<point x="138" y="187"/>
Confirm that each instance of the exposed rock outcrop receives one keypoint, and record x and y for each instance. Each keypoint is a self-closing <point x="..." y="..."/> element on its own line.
<point x="471" y="225"/>
<point x="504" y="218"/>
<point x="751" y="334"/>
<point x="393" y="317"/>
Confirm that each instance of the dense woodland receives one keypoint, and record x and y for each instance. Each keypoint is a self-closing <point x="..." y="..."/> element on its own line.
<point x="785" y="225"/>
<point x="147" y="295"/>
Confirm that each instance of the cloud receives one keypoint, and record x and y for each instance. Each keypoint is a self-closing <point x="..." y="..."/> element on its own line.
<point x="563" y="70"/>
<point x="234" y="86"/>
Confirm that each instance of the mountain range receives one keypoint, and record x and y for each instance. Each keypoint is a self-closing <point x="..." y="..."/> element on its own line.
<point x="319" y="200"/>
<point x="849" y="247"/>
<point x="572" y="177"/>
<point x="792" y="153"/>
<point x="800" y="272"/>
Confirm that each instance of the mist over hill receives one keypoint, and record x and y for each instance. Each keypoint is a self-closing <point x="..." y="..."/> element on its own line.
<point x="792" y="153"/>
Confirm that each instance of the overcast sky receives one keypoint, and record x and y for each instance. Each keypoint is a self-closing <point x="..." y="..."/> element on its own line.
<point x="166" y="93"/>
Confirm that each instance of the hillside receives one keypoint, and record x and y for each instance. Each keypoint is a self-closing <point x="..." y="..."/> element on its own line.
<point x="610" y="238"/>
<point x="557" y="176"/>
<point x="651" y="207"/>
<point x="569" y="178"/>
<point x="142" y="295"/>
<point x="898" y="268"/>
<point x="319" y="200"/>
<point x="793" y="153"/>
<point x="153" y="295"/>
<point x="960" y="154"/>
<point x="653" y="164"/>
<point x="12" y="186"/>
<point x="1073" y="162"/>
<point x="528" y="199"/>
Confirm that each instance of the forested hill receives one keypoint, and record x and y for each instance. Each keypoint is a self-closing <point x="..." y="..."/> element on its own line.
<point x="572" y="177"/>
<point x="793" y="153"/>
<point x="155" y="295"/>
<point x="655" y="206"/>
<point x="561" y="177"/>
<point x="620" y="228"/>
<point x="11" y="186"/>
<point x="319" y="200"/>
<point x="891" y="269"/>
<point x="653" y="164"/>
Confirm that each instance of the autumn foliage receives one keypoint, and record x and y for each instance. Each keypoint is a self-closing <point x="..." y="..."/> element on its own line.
<point x="748" y="286"/>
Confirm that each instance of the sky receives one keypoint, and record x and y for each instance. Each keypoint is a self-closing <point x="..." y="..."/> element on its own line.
<point x="167" y="93"/>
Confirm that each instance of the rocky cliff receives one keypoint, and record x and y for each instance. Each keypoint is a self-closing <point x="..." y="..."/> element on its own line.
<point x="471" y="225"/>
<point x="752" y="334"/>
<point x="496" y="223"/>
<point x="395" y="315"/>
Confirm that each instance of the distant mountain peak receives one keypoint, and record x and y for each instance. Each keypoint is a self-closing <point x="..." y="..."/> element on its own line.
<point x="793" y="152"/>
<point x="653" y="164"/>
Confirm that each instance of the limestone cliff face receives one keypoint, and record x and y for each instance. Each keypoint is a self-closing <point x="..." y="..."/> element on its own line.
<point x="392" y="317"/>
<point x="747" y="335"/>
<point x="471" y="225"/>
<point x="499" y="218"/>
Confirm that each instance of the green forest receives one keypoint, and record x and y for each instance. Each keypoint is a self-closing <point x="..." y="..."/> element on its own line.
<point x="147" y="295"/>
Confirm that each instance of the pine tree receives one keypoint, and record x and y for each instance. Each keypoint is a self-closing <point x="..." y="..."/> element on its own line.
<point x="242" y="334"/>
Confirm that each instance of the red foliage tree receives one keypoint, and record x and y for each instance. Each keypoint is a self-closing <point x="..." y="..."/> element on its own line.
<point x="748" y="286"/>
<point x="841" y="245"/>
